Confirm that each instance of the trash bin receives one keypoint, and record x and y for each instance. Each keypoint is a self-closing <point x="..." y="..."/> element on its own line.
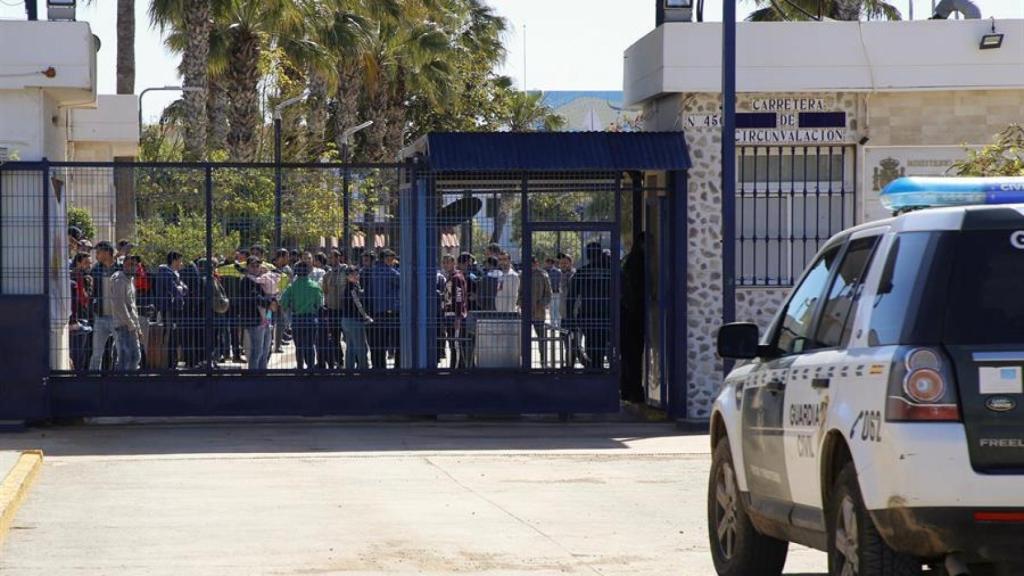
<point x="497" y="340"/>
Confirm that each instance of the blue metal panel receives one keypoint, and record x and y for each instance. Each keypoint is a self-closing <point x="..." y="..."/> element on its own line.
<point x="556" y="151"/>
<point x="372" y="392"/>
<point x="427" y="269"/>
<point x="26" y="357"/>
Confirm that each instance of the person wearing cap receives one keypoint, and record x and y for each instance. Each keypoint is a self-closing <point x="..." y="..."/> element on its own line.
<point x="103" y="319"/>
<point x="127" y="330"/>
<point x="383" y="298"/>
<point x="304" y="298"/>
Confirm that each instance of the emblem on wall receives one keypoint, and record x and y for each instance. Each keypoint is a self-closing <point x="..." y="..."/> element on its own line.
<point x="887" y="171"/>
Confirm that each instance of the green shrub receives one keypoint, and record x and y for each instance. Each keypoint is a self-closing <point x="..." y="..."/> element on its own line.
<point x="81" y="218"/>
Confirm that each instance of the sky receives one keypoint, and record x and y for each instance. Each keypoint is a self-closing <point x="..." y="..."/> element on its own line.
<point x="561" y="44"/>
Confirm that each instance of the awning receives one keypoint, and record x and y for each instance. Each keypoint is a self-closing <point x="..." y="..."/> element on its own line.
<point x="554" y="151"/>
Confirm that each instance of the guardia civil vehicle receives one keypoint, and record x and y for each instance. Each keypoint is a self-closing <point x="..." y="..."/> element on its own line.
<point x="881" y="416"/>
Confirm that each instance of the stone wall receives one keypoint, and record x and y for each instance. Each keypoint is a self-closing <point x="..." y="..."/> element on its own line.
<point x="952" y="117"/>
<point x="704" y="278"/>
<point x="759" y="305"/>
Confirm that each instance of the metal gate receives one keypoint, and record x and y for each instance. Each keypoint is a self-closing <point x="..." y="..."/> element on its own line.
<point x="789" y="201"/>
<point x="310" y="289"/>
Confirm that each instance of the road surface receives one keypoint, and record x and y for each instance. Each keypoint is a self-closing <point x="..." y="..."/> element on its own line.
<point x="366" y="498"/>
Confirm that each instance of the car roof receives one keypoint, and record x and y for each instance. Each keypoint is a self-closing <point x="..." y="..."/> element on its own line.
<point x="928" y="219"/>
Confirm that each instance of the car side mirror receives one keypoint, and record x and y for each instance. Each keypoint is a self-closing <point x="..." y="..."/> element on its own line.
<point x="739" y="341"/>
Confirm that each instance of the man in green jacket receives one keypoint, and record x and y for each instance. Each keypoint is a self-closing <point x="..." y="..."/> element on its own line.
<point x="304" y="298"/>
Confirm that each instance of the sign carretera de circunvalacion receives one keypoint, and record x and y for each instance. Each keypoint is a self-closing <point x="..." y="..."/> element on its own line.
<point x="781" y="121"/>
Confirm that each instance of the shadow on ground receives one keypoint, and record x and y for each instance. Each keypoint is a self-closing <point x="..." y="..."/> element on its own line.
<point x="249" y="437"/>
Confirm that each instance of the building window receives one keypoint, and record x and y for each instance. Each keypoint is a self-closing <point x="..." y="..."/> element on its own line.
<point x="790" y="200"/>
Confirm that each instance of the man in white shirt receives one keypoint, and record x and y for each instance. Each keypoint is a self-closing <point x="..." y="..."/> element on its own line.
<point x="508" y="285"/>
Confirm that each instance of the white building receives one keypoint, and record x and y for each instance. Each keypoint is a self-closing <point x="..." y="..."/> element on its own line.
<point x="828" y="113"/>
<point x="49" y="110"/>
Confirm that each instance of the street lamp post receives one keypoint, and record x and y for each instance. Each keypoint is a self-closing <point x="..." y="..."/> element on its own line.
<point x="346" y="135"/>
<point x="728" y="161"/>
<point x="161" y="89"/>
<point x="277" y="164"/>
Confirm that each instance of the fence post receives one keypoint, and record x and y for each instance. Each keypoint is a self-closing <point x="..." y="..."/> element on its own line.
<point x="277" y="181"/>
<point x="346" y="206"/>
<point x="526" y="280"/>
<point x="208" y="332"/>
<point x="47" y="225"/>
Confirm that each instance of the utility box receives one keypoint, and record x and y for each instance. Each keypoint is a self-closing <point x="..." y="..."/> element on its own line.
<point x="674" y="11"/>
<point x="497" y="340"/>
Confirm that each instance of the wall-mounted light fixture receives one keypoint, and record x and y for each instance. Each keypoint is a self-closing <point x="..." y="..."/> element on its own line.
<point x="992" y="40"/>
<point x="60" y="9"/>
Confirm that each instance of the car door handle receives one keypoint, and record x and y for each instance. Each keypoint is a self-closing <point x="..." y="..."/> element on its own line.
<point x="821" y="383"/>
<point x="775" y="386"/>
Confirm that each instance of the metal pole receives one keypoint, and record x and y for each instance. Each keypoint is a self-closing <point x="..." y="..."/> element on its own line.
<point x="728" y="186"/>
<point x="277" y="181"/>
<point x="346" y="206"/>
<point x="526" y="279"/>
<point x="208" y="332"/>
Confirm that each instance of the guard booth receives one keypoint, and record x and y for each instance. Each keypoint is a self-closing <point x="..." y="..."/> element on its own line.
<point x="504" y="273"/>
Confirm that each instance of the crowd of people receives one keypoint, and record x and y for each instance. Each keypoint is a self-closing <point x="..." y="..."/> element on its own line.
<point x="126" y="314"/>
<point x="568" y="306"/>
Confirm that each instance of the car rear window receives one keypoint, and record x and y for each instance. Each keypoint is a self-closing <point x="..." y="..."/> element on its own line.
<point x="987" y="288"/>
<point x="910" y="297"/>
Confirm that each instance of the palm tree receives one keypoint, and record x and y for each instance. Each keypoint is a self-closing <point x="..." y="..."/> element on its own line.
<point x="528" y="113"/>
<point x="252" y="26"/>
<point x="125" y="46"/>
<point x="193" y="23"/>
<point x="408" y="59"/>
<point x="788" y="10"/>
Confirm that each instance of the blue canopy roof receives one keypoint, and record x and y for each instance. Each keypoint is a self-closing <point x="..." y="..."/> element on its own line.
<point x="556" y="151"/>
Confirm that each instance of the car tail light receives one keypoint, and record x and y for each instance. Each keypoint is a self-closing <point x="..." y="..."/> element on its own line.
<point x="999" y="516"/>
<point x="924" y="386"/>
<point x="921" y="388"/>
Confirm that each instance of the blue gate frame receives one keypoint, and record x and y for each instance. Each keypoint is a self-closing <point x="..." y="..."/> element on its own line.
<point x="31" y="391"/>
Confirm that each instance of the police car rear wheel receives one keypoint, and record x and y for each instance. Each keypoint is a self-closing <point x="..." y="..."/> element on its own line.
<point x="736" y="547"/>
<point x="855" y="548"/>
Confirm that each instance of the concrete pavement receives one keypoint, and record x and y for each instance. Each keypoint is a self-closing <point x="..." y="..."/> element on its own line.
<point x="367" y="498"/>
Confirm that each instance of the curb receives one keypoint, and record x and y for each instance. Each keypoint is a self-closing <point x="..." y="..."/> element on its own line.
<point x="15" y="487"/>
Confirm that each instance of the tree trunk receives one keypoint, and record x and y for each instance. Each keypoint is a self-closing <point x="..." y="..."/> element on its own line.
<point x="195" y="62"/>
<point x="377" y="134"/>
<point x="217" y="115"/>
<point x="848" y="10"/>
<point x="124" y="181"/>
<point x="243" y="95"/>
<point x="346" y="113"/>
<point x="316" y="115"/>
<point x="125" y="46"/>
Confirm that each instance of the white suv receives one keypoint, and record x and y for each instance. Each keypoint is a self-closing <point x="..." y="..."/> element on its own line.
<point x="881" y="418"/>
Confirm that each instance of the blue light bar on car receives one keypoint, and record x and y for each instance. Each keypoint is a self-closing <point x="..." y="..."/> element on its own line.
<point x="914" y="193"/>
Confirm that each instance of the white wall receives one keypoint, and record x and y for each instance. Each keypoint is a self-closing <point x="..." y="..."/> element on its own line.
<point x="21" y="128"/>
<point x="114" y="122"/>
<point x="826" y="57"/>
